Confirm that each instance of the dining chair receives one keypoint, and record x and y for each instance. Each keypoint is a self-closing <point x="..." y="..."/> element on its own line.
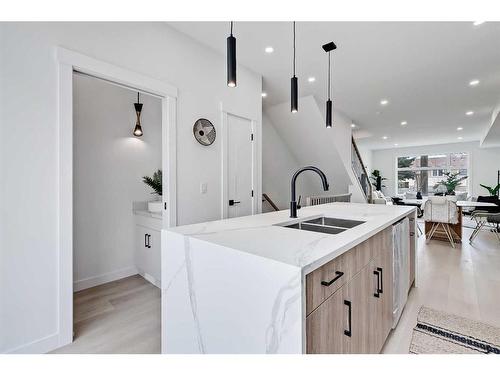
<point x="441" y="211"/>
<point x="485" y="218"/>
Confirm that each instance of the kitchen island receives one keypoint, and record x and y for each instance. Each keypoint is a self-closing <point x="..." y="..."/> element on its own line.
<point x="320" y="283"/>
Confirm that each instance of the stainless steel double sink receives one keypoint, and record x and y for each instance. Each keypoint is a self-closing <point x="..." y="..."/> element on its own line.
<point x="328" y="225"/>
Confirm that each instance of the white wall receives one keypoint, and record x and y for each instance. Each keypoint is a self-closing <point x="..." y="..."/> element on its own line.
<point x="278" y="166"/>
<point x="312" y="144"/>
<point x="484" y="163"/>
<point x="109" y="163"/>
<point x="29" y="148"/>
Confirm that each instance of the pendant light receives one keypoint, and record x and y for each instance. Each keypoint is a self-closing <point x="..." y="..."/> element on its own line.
<point x="138" y="109"/>
<point x="231" y="59"/>
<point x="329" y="47"/>
<point x="294" y="101"/>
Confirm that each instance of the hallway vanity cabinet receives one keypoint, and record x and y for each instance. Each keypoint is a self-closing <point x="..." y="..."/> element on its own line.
<point x="357" y="316"/>
<point x="148" y="246"/>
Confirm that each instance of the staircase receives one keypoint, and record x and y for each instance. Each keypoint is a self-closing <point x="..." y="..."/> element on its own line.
<point x="360" y="172"/>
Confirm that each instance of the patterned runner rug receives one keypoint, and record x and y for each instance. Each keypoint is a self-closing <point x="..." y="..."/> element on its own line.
<point x="438" y="332"/>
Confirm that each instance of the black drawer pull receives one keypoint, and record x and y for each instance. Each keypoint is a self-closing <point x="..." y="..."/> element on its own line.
<point x="348" y="332"/>
<point x="328" y="283"/>
<point x="381" y="290"/>
<point x="377" y="293"/>
<point x="145" y="240"/>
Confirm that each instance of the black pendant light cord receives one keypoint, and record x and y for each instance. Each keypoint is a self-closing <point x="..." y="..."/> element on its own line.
<point x="231" y="28"/>
<point x="294" y="48"/>
<point x="329" y="70"/>
<point x="137" y="96"/>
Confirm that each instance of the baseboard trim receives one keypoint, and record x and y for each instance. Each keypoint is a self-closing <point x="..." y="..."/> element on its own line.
<point x="151" y="279"/>
<point x="40" y="346"/>
<point x="105" y="278"/>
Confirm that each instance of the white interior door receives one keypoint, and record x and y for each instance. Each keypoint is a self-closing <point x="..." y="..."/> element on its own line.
<point x="240" y="166"/>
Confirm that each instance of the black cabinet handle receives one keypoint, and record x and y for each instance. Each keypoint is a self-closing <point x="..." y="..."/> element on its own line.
<point x="328" y="283"/>
<point x="377" y="293"/>
<point x="149" y="241"/>
<point x="145" y="240"/>
<point x="348" y="332"/>
<point x="381" y="290"/>
<point x="232" y="202"/>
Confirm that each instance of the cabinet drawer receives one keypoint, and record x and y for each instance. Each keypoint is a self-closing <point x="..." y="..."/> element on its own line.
<point x="323" y="282"/>
<point x="343" y="268"/>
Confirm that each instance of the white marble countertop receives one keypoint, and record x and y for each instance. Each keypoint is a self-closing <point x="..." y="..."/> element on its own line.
<point x="260" y="235"/>
<point x="146" y="213"/>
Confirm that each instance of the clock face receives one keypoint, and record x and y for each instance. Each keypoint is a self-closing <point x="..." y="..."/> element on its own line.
<point x="204" y="132"/>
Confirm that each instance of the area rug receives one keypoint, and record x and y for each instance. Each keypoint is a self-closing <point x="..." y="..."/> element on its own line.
<point x="438" y="332"/>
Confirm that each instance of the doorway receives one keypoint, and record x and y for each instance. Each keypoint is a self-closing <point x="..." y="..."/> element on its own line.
<point x="69" y="62"/>
<point x="239" y="155"/>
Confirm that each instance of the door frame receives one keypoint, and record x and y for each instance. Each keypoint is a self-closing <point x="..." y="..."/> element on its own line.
<point x="67" y="62"/>
<point x="256" y="161"/>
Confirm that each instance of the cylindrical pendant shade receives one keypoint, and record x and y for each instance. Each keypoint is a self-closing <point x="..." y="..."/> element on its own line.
<point x="294" y="101"/>
<point x="231" y="61"/>
<point x="329" y="114"/>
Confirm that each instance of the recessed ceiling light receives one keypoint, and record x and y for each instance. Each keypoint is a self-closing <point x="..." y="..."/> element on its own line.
<point x="269" y="49"/>
<point x="403" y="123"/>
<point x="460" y="128"/>
<point x="384" y="102"/>
<point x="469" y="113"/>
<point x="474" y="82"/>
<point x="264" y="94"/>
<point x="353" y="125"/>
<point x="395" y="144"/>
<point x="385" y="137"/>
<point x="311" y="79"/>
<point x="477" y="23"/>
<point x="460" y="138"/>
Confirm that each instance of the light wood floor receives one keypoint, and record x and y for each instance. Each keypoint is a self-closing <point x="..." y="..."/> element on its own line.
<point x="464" y="281"/>
<point x="118" y="317"/>
<point x="124" y="316"/>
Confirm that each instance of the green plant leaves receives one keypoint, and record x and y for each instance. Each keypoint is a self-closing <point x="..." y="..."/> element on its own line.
<point x="155" y="182"/>
<point x="492" y="190"/>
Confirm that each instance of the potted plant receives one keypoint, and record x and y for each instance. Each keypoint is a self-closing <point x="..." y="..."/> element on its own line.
<point x="451" y="182"/>
<point x="155" y="183"/>
<point x="377" y="180"/>
<point x="492" y="190"/>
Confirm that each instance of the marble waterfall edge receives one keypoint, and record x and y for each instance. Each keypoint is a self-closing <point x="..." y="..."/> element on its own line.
<point x="217" y="300"/>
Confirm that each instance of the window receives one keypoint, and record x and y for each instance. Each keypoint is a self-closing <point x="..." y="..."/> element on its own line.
<point x="424" y="173"/>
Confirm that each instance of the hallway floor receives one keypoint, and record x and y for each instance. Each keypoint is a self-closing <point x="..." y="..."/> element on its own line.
<point x="463" y="281"/>
<point x="122" y="316"/>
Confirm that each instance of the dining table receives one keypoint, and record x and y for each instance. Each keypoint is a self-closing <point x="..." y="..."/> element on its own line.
<point x="456" y="228"/>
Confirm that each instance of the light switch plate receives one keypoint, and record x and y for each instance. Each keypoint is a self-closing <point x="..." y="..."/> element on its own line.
<point x="203" y="188"/>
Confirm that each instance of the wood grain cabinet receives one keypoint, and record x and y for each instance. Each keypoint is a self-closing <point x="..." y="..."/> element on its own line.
<point x="357" y="316"/>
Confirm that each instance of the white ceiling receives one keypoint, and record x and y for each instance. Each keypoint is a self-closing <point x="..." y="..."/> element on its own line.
<point x="422" y="68"/>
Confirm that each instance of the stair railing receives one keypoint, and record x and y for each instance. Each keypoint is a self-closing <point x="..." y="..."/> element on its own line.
<point x="265" y="198"/>
<point x="360" y="172"/>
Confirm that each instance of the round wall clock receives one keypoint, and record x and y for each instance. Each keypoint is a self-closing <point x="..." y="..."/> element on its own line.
<point x="204" y="132"/>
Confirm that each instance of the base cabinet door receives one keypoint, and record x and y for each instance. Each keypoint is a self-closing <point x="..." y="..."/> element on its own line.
<point x="148" y="253"/>
<point x="327" y="326"/>
<point x="381" y="300"/>
<point x="357" y="295"/>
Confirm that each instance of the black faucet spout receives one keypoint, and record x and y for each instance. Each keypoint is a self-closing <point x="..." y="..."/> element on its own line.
<point x="293" y="202"/>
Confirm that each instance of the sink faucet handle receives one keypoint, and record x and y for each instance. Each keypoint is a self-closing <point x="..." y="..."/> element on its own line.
<point x="298" y="203"/>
